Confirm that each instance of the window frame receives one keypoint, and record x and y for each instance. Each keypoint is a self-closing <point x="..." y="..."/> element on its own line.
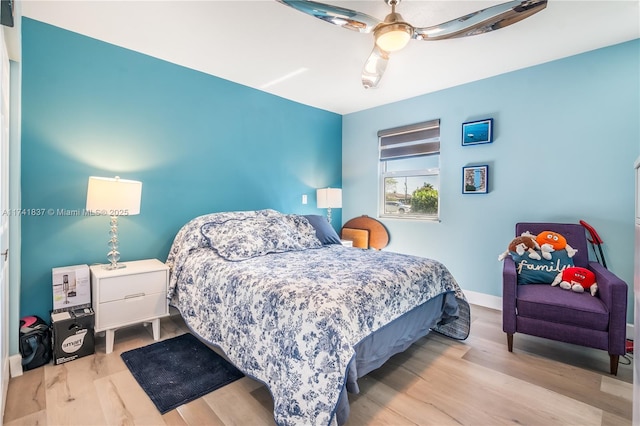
<point x="408" y="142"/>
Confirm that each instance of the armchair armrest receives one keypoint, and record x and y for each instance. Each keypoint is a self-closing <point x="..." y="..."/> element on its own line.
<point x="613" y="292"/>
<point x="509" y="293"/>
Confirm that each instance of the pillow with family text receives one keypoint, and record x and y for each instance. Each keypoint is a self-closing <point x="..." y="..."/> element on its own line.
<point x="543" y="271"/>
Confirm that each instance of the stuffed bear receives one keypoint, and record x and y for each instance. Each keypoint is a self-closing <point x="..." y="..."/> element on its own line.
<point x="524" y="243"/>
<point x="550" y="241"/>
<point x="577" y="279"/>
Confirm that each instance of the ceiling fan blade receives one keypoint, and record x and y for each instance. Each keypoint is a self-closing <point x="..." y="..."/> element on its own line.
<point x="374" y="67"/>
<point x="340" y="16"/>
<point x="485" y="20"/>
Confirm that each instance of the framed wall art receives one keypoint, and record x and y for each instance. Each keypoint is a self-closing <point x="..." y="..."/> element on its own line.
<point x="475" y="179"/>
<point x="477" y="132"/>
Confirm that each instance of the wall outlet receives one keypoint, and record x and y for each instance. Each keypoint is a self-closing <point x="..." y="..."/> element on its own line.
<point x="304" y="198"/>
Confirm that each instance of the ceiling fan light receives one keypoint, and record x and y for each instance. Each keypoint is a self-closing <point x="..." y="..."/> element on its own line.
<point x="393" y="37"/>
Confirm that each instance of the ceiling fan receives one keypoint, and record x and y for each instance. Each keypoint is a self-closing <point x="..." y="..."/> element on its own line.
<point x="394" y="32"/>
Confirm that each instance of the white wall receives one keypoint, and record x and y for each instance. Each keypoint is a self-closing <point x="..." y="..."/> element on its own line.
<point x="636" y="283"/>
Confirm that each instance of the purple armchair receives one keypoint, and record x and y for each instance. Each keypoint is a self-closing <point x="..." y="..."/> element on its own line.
<point x="553" y="313"/>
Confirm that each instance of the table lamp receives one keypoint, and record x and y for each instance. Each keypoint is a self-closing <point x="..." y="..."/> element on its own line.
<point x="113" y="197"/>
<point x="328" y="198"/>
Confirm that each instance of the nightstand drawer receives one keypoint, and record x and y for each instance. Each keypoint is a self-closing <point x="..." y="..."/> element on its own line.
<point x="121" y="287"/>
<point x="131" y="310"/>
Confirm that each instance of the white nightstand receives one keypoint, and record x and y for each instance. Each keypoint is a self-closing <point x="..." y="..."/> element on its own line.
<point x="131" y="295"/>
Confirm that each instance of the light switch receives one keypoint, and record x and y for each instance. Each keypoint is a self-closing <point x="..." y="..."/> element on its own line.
<point x="304" y="198"/>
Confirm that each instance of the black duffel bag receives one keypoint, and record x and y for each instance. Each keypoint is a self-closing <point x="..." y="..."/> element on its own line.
<point x="35" y="342"/>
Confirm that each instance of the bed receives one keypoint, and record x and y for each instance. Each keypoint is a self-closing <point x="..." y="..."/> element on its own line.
<point x="301" y="313"/>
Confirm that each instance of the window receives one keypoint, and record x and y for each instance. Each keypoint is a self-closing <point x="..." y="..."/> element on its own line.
<point x="410" y="171"/>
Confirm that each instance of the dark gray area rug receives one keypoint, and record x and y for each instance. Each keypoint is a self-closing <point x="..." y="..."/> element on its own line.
<point x="178" y="370"/>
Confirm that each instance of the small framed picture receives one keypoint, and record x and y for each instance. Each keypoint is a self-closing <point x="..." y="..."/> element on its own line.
<point x="477" y="132"/>
<point x="475" y="179"/>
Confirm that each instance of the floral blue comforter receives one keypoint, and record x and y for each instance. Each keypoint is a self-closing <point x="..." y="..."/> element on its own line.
<point x="287" y="310"/>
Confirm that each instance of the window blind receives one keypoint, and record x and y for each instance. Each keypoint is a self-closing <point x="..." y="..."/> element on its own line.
<point x="410" y="141"/>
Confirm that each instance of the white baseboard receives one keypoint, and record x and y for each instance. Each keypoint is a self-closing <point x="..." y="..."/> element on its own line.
<point x="495" y="302"/>
<point x="5" y="386"/>
<point x="15" y="365"/>
<point x="484" y="300"/>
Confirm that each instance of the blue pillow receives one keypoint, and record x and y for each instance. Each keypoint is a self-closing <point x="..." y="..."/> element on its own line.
<point x="324" y="231"/>
<point x="543" y="271"/>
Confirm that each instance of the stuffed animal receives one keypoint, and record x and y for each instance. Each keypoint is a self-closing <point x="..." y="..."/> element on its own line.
<point x="550" y="241"/>
<point x="577" y="279"/>
<point x="524" y="243"/>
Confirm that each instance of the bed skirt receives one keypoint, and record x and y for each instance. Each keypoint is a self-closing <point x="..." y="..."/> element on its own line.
<point x="374" y="350"/>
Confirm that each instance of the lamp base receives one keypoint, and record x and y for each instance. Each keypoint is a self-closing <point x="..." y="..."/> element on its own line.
<point x="114" y="255"/>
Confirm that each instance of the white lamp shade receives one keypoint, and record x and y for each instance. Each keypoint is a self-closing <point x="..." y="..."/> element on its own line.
<point x="115" y="196"/>
<point x="329" y="198"/>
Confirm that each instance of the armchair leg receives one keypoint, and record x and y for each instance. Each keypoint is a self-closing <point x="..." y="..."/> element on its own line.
<point x="614" y="363"/>
<point x="510" y="344"/>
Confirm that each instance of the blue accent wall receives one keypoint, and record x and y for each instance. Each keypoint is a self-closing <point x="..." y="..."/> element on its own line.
<point x="198" y="143"/>
<point x="565" y="140"/>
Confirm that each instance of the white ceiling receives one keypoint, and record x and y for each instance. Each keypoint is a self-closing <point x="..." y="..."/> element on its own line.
<point x="259" y="42"/>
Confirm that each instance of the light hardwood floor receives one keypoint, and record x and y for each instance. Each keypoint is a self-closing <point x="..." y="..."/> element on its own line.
<point x="437" y="381"/>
